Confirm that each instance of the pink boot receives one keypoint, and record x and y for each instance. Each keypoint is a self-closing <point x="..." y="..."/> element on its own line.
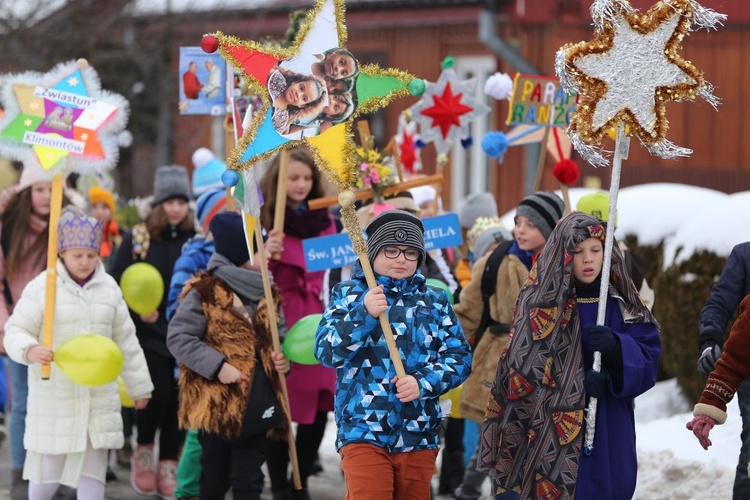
<point x="142" y="476"/>
<point x="166" y="478"/>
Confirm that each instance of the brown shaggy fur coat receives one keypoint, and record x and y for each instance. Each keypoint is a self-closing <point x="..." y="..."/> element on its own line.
<point x="510" y="276"/>
<point x="209" y="405"/>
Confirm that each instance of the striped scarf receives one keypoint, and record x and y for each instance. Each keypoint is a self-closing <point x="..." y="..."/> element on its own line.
<point x="531" y="438"/>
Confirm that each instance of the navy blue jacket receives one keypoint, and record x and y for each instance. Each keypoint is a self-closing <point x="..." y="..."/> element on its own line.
<point x="725" y="296"/>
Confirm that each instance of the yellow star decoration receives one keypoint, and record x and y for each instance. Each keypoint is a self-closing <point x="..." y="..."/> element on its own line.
<point x="34" y="105"/>
<point x="84" y="136"/>
<point x="333" y="148"/>
<point x="27" y="122"/>
<point x="628" y="72"/>
<point x="73" y="81"/>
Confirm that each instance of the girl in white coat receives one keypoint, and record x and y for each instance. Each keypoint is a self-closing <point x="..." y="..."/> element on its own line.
<point x="70" y="427"/>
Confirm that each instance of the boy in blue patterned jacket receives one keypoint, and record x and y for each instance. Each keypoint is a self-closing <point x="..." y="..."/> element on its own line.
<point x="388" y="427"/>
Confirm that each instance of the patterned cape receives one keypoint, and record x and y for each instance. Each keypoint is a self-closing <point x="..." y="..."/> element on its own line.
<point x="532" y="434"/>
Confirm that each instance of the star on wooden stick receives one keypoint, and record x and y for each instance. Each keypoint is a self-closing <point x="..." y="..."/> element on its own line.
<point x="311" y="92"/>
<point x="629" y="71"/>
<point x="62" y="121"/>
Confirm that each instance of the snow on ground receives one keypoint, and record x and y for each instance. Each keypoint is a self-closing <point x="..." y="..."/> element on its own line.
<point x="672" y="465"/>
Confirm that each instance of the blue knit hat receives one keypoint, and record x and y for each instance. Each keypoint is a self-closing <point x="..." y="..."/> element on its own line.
<point x="207" y="173"/>
<point x="209" y="204"/>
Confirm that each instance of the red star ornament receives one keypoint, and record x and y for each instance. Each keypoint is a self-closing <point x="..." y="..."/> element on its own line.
<point x="447" y="110"/>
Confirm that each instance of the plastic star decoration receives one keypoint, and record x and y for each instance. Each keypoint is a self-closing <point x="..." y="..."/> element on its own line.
<point x="406" y="140"/>
<point x="630" y="70"/>
<point x="300" y="86"/>
<point x="446" y="109"/>
<point x="62" y="121"/>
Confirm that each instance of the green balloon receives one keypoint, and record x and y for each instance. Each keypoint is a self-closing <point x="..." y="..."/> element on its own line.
<point x="299" y="344"/>
<point x="440" y="284"/>
<point x="142" y="288"/>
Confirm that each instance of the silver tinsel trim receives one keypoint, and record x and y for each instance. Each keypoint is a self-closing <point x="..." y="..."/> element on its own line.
<point x="607" y="11"/>
<point x="668" y="150"/>
<point x="706" y="92"/>
<point x="592" y="154"/>
<point x="705" y="18"/>
<point x="564" y="73"/>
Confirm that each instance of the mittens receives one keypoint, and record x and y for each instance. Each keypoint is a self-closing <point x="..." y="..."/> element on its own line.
<point x="602" y="339"/>
<point x="596" y="384"/>
<point x="701" y="425"/>
<point x="708" y="358"/>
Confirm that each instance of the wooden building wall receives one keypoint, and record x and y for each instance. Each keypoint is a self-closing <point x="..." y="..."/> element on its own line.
<point x="416" y="40"/>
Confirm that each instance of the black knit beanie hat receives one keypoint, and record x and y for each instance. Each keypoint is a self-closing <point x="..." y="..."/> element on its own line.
<point x="229" y="237"/>
<point x="543" y="209"/>
<point x="394" y="228"/>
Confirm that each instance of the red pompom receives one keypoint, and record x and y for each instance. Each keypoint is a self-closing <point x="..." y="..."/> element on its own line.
<point x="566" y="171"/>
<point x="209" y="44"/>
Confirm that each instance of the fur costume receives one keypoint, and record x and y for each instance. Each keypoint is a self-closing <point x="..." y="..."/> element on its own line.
<point x="209" y="405"/>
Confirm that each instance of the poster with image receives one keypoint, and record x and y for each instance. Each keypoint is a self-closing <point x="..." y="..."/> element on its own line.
<point x="202" y="82"/>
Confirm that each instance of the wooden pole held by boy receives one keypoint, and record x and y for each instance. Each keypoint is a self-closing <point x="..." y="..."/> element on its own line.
<point x="349" y="218"/>
<point x="271" y="308"/>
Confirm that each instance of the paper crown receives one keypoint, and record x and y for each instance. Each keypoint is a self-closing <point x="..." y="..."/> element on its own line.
<point x="76" y="230"/>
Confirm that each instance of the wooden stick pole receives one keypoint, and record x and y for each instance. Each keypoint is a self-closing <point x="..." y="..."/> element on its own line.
<point x="263" y="264"/>
<point x="566" y="197"/>
<point x="365" y="137"/>
<point x="442" y="160"/>
<point x="542" y="159"/>
<point x="393" y="148"/>
<point x="364" y="194"/>
<point x="49" y="299"/>
<point x="349" y="218"/>
<point x="278" y="218"/>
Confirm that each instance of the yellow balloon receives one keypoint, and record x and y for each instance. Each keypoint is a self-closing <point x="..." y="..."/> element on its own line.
<point x="125" y="400"/>
<point x="90" y="360"/>
<point x="455" y="397"/>
<point x="142" y="288"/>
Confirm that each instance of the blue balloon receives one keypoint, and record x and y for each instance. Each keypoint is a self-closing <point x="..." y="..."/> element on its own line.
<point x="230" y="178"/>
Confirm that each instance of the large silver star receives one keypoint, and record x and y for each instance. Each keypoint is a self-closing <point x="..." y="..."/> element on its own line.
<point x="633" y="69"/>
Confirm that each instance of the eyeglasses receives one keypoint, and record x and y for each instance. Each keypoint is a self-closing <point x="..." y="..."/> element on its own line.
<point x="393" y="253"/>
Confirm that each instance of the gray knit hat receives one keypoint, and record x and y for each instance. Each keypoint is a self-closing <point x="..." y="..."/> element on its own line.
<point x="543" y="209"/>
<point x="171" y="181"/>
<point x="475" y="206"/>
<point x="394" y="228"/>
<point x="487" y="238"/>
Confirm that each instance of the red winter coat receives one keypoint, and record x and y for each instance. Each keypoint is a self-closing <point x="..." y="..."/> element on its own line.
<point x="310" y="386"/>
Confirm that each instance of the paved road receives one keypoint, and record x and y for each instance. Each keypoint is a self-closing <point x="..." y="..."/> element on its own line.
<point x="329" y="485"/>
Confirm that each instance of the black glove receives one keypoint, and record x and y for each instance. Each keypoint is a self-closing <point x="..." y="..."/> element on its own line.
<point x="710" y="354"/>
<point x="596" y="384"/>
<point x="603" y="340"/>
